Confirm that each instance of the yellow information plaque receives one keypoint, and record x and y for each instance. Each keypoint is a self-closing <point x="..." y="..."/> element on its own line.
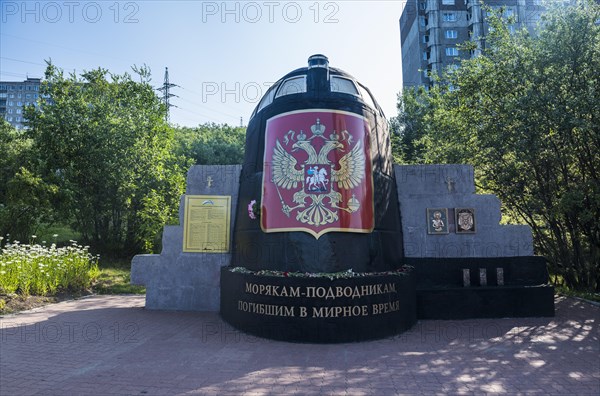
<point x="206" y="223"/>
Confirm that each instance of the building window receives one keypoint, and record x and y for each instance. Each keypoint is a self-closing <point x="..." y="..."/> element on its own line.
<point x="9" y="119"/>
<point x="27" y="103"/>
<point x="35" y="96"/>
<point x="12" y="95"/>
<point x="422" y="21"/>
<point x="451" y="51"/>
<point x="19" y="103"/>
<point x="448" y="2"/>
<point x="510" y="15"/>
<point x="11" y="103"/>
<point x="451" y="68"/>
<point x="451" y="34"/>
<point x="18" y="111"/>
<point x="18" y="119"/>
<point x="425" y="39"/>
<point x="28" y="96"/>
<point x="423" y="5"/>
<point x="449" y="16"/>
<point x="10" y="111"/>
<point x="19" y="96"/>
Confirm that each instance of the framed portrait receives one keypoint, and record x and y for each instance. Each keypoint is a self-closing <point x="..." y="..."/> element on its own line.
<point x="465" y="220"/>
<point x="437" y="221"/>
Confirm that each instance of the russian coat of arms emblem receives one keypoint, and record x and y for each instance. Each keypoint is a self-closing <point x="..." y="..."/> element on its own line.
<point x="317" y="173"/>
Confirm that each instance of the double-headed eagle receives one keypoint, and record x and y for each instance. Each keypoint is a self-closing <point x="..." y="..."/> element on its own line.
<point x="348" y="174"/>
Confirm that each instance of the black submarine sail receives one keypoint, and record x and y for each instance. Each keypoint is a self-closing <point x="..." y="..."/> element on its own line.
<point x="317" y="190"/>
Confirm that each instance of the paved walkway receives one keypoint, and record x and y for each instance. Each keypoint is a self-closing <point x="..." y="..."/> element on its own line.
<point x="108" y="345"/>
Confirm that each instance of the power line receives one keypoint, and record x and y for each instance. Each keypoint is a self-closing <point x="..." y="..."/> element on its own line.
<point x="166" y="94"/>
<point x="165" y="89"/>
<point x="208" y="108"/>
<point x="21" y="61"/>
<point x="200" y="114"/>
<point x="65" y="48"/>
<point x="13" y="74"/>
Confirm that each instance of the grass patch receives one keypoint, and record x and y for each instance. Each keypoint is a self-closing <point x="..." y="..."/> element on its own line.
<point x="565" y="291"/>
<point x="560" y="288"/>
<point x="114" y="275"/>
<point x="114" y="278"/>
<point x="33" y="275"/>
<point x="58" y="233"/>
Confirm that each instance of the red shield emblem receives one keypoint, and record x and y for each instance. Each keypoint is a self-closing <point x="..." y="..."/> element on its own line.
<point x="317" y="173"/>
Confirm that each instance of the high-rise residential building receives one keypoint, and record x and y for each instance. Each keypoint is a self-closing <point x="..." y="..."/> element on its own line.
<point x="430" y="31"/>
<point x="14" y="96"/>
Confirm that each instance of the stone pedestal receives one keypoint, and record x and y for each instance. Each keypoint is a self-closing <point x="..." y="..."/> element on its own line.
<point x="181" y="281"/>
<point x="491" y="272"/>
<point x="448" y="267"/>
<point x="321" y="310"/>
<point x="453" y="186"/>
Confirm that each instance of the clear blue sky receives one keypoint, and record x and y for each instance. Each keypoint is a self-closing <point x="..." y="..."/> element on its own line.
<point x="223" y="55"/>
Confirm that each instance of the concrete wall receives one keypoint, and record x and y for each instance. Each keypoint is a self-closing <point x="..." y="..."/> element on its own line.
<point x="453" y="186"/>
<point x="176" y="280"/>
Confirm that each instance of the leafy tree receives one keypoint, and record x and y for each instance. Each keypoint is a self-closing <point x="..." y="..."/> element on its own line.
<point x="526" y="115"/>
<point x="211" y="144"/>
<point x="408" y="128"/>
<point x="25" y="200"/>
<point x="102" y="139"/>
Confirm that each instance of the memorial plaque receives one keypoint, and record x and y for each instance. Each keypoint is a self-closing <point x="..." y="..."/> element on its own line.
<point x="437" y="221"/>
<point x="206" y="224"/>
<point x="465" y="220"/>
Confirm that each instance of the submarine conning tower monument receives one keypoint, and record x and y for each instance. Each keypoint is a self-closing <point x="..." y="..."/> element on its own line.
<point x="318" y="237"/>
<point x="318" y="163"/>
<point x="327" y="226"/>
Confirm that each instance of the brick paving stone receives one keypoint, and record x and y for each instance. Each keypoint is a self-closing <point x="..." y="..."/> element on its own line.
<point x="111" y="345"/>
